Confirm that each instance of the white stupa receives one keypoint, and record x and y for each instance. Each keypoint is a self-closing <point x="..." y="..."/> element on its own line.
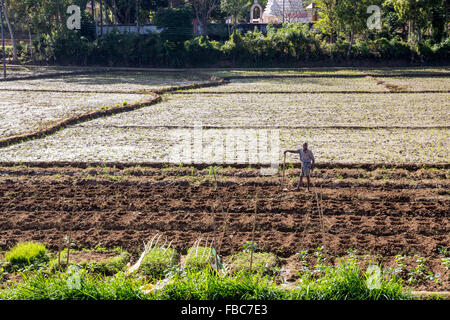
<point x="293" y="12"/>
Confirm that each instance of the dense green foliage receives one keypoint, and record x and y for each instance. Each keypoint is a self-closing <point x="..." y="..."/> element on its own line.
<point x="73" y="285"/>
<point x="344" y="282"/>
<point x="199" y="257"/>
<point x="283" y="46"/>
<point x="176" y="24"/>
<point x="262" y="262"/>
<point x="26" y="253"/>
<point x="157" y="261"/>
<point x="409" y="30"/>
<point x="209" y="285"/>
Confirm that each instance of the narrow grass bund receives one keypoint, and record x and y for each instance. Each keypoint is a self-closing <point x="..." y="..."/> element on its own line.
<point x="156" y="98"/>
<point x="74" y="120"/>
<point x="199" y="279"/>
<point x="344" y="282"/>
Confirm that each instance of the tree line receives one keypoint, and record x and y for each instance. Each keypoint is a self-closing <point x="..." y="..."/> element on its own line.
<point x="409" y="29"/>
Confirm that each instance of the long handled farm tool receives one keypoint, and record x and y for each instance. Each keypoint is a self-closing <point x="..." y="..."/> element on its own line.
<point x="283" y="179"/>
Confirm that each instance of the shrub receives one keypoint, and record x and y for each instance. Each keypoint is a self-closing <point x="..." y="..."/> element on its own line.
<point x="199" y="257"/>
<point x="339" y="48"/>
<point x="157" y="261"/>
<point x="70" y="47"/>
<point x="177" y="23"/>
<point x="27" y="253"/>
<point x="442" y="50"/>
<point x="201" y="51"/>
<point x="361" y="49"/>
<point x="425" y="50"/>
<point x="382" y="48"/>
<point x="263" y="262"/>
<point x="400" y="49"/>
<point x="114" y="49"/>
<point x="147" y="50"/>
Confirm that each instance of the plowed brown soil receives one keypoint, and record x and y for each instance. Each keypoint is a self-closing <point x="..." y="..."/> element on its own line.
<point x="379" y="212"/>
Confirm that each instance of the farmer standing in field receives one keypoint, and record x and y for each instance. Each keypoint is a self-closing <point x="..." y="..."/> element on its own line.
<point x="307" y="159"/>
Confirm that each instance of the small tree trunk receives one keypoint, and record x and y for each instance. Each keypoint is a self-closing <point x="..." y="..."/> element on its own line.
<point x="203" y="26"/>
<point x="101" y="17"/>
<point x="350" y="45"/>
<point x="137" y="16"/>
<point x="11" y="31"/>
<point x="31" y="42"/>
<point x="39" y="41"/>
<point x="411" y="35"/>
<point x="446" y="20"/>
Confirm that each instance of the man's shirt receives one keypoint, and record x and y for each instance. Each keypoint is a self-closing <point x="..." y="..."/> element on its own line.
<point x="306" y="156"/>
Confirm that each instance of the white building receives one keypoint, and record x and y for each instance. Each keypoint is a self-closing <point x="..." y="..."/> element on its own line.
<point x="279" y="11"/>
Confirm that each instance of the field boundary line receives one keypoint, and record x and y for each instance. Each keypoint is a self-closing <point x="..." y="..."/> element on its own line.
<point x="393" y="88"/>
<point x="206" y="127"/>
<point x="362" y="75"/>
<point x="160" y="165"/>
<point x="140" y="91"/>
<point x="425" y="295"/>
<point x="79" y="91"/>
<point x="52" y="75"/>
<point x="311" y="92"/>
<point x="5" y="142"/>
<point x="8" y="141"/>
<point x="215" y="81"/>
<point x="97" y="70"/>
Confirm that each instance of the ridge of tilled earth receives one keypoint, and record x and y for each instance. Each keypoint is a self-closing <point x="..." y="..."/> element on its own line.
<point x="376" y="212"/>
<point x="372" y="218"/>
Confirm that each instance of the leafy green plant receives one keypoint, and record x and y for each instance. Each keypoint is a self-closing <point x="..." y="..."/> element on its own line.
<point x="157" y="261"/>
<point x="212" y="173"/>
<point x="347" y="281"/>
<point x="418" y="272"/>
<point x="302" y="255"/>
<point x="400" y="269"/>
<point x="320" y="257"/>
<point x="445" y="257"/>
<point x="27" y="253"/>
<point x="177" y="24"/>
<point x="199" y="257"/>
<point x="446" y="262"/>
<point x="435" y="277"/>
<point x="319" y="254"/>
<point x="250" y="246"/>
<point x="263" y="262"/>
